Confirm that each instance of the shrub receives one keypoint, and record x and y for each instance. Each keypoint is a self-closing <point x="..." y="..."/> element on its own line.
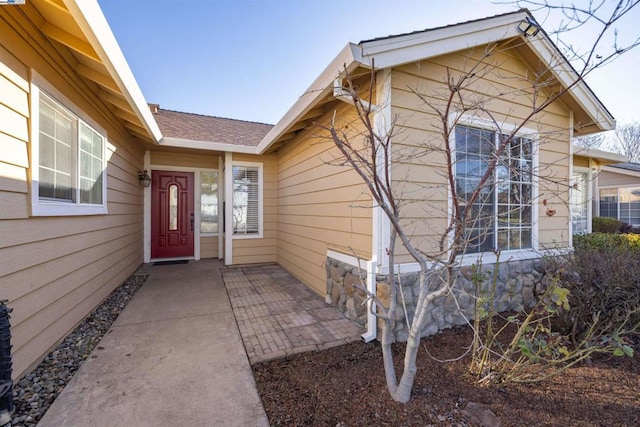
<point x="601" y="224"/>
<point x="604" y="241"/>
<point x="605" y="301"/>
<point x="587" y="304"/>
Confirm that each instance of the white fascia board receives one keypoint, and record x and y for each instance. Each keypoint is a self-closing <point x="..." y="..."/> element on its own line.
<point x="320" y="88"/>
<point x="400" y="50"/>
<point x="620" y="171"/>
<point x="92" y="22"/>
<point x="563" y="71"/>
<point x="395" y="51"/>
<point x="599" y="154"/>
<point x="207" y="145"/>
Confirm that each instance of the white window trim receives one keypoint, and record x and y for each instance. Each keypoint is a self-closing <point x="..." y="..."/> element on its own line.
<point x="617" y="188"/>
<point x="589" y="192"/>
<point x="260" y="233"/>
<point x="456" y="119"/>
<point x="198" y="201"/>
<point x="52" y="207"/>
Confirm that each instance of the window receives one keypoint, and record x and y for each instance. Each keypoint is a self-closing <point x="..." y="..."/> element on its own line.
<point x="609" y="202"/>
<point x="621" y="203"/>
<point x="208" y="202"/>
<point x="579" y="203"/>
<point x="68" y="171"/>
<point x="247" y="200"/>
<point x="501" y="216"/>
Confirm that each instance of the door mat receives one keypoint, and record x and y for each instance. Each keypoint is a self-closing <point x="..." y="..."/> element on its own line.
<point x="176" y="262"/>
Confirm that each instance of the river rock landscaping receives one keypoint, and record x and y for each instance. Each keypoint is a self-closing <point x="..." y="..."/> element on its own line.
<point x="35" y="392"/>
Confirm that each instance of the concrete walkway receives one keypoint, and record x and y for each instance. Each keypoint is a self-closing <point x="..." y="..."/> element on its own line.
<point x="173" y="357"/>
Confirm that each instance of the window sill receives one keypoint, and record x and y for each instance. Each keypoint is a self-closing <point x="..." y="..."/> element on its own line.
<point x="66" y="209"/>
<point x="487" y="258"/>
<point x="246" y="236"/>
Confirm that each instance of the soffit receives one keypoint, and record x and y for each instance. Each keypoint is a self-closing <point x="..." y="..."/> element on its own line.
<point x="95" y="62"/>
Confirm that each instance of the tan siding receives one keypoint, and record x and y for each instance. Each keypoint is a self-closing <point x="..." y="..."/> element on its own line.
<point x="321" y="206"/>
<point x="55" y="270"/>
<point x="14" y="151"/>
<point x="420" y="174"/>
<point x="202" y="160"/>
<point x="13" y="178"/>
<point x="13" y="123"/>
<point x="13" y="205"/>
<point x="259" y="250"/>
<point x="209" y="247"/>
<point x="582" y="162"/>
<point x="14" y="137"/>
<point x="53" y="329"/>
<point x="606" y="178"/>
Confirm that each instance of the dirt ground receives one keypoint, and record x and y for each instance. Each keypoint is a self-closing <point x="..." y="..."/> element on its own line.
<point x="345" y="386"/>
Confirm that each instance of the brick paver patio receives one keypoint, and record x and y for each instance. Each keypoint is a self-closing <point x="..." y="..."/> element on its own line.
<point x="277" y="315"/>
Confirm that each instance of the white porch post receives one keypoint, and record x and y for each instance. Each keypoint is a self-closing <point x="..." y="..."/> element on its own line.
<point x="146" y="215"/>
<point x="228" y="211"/>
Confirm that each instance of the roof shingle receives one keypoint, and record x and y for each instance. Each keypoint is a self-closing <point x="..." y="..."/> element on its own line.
<point x="628" y="166"/>
<point x="197" y="127"/>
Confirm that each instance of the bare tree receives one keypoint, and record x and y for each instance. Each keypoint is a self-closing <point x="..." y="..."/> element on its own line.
<point x="627" y="141"/>
<point x="597" y="141"/>
<point x="494" y="164"/>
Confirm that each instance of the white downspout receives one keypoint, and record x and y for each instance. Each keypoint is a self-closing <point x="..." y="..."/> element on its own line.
<point x="372" y="321"/>
<point x="571" y="124"/>
<point x="340" y="93"/>
<point x="381" y="230"/>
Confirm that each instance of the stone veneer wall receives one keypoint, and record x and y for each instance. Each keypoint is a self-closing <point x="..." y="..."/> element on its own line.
<point x="516" y="288"/>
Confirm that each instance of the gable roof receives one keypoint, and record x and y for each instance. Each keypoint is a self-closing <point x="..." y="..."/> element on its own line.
<point x="197" y="127"/>
<point x="392" y="51"/>
<point x="634" y="167"/>
<point x="603" y="157"/>
<point x="80" y="27"/>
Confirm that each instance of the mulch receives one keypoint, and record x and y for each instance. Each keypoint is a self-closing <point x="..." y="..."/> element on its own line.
<point x="345" y="386"/>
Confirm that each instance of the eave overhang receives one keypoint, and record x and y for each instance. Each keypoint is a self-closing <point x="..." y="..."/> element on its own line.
<point x="394" y="51"/>
<point x="602" y="157"/>
<point x="620" y="171"/>
<point x="207" y="145"/>
<point x="81" y="27"/>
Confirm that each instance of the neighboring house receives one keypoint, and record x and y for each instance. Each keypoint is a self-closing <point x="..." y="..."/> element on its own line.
<point x="590" y="169"/>
<point x="76" y="133"/>
<point x="618" y="192"/>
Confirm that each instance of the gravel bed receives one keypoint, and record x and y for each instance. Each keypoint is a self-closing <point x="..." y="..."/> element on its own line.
<point x="35" y="392"/>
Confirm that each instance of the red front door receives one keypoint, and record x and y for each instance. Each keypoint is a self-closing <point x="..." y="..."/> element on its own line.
<point x="171" y="214"/>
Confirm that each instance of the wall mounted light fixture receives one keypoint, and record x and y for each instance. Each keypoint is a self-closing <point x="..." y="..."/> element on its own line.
<point x="529" y="27"/>
<point x="144" y="178"/>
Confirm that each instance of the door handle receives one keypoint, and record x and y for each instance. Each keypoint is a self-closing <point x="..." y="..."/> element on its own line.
<point x="192" y="222"/>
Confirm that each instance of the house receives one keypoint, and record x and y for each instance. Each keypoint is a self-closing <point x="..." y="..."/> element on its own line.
<point x="591" y="168"/>
<point x="617" y="192"/>
<point x="78" y="142"/>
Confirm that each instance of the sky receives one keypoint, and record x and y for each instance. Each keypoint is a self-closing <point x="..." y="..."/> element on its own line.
<point x="251" y="60"/>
